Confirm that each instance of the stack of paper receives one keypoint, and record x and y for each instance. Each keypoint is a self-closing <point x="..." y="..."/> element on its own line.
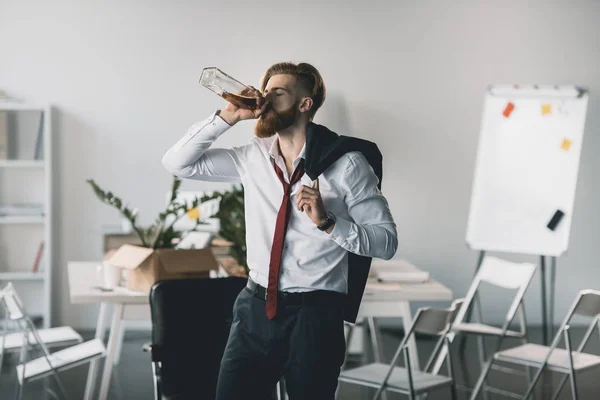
<point x="398" y="271"/>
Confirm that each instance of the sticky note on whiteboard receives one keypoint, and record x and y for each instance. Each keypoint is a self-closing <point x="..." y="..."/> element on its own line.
<point x="546" y="109"/>
<point x="566" y="144"/>
<point x="508" y="109"/>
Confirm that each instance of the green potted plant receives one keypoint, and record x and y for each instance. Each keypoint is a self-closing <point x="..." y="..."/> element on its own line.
<point x="232" y="219"/>
<point x="161" y="235"/>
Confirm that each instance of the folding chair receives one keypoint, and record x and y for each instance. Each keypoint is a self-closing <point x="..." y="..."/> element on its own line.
<point x="48" y="363"/>
<point x="566" y="361"/>
<point x="191" y="319"/>
<point x="501" y="274"/>
<point x="384" y="377"/>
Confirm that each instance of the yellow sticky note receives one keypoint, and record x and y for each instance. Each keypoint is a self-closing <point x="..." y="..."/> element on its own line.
<point x="566" y="144"/>
<point x="194" y="213"/>
<point x="546" y="109"/>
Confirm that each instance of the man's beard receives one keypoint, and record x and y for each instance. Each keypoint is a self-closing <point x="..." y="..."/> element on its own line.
<point x="273" y="121"/>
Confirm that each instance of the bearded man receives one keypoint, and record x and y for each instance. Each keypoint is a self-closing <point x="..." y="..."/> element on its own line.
<point x="303" y="233"/>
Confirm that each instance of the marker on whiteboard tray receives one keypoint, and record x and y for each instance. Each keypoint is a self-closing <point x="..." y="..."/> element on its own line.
<point x="508" y="110"/>
<point x="556" y="218"/>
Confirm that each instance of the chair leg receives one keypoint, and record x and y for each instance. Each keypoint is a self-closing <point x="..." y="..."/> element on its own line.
<point x="46" y="353"/>
<point x="482" y="360"/>
<point x="573" y="386"/>
<point x="560" y="387"/>
<point x="279" y="396"/>
<point x="453" y="394"/>
<point x="531" y="387"/>
<point x="281" y="391"/>
<point x="374" y="339"/>
<point x="374" y="333"/>
<point x="54" y="395"/>
<point x="22" y="361"/>
<point x="528" y="373"/>
<point x="348" y="341"/>
<point x="567" y="335"/>
<point x="156" y="378"/>
<point x="481" y="380"/>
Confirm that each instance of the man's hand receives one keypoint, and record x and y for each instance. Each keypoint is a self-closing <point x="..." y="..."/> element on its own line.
<point x="233" y="114"/>
<point x="309" y="200"/>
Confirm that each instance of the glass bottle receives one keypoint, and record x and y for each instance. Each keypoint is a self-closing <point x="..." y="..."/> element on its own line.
<point x="232" y="90"/>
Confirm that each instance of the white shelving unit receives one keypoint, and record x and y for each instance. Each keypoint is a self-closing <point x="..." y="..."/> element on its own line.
<point x="30" y="181"/>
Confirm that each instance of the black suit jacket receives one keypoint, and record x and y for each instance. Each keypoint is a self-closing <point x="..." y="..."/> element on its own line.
<point x="323" y="148"/>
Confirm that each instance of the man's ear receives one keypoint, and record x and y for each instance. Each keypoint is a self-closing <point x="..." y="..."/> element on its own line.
<point x="306" y="104"/>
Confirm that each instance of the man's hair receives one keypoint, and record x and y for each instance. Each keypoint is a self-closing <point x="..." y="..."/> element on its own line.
<point x="307" y="76"/>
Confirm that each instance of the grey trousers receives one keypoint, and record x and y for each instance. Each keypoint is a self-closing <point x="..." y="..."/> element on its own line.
<point x="304" y="343"/>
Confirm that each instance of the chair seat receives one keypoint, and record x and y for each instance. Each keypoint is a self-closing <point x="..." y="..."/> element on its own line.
<point x="534" y="354"/>
<point x="63" y="335"/>
<point x="482" y="329"/>
<point x="374" y="374"/>
<point x="62" y="359"/>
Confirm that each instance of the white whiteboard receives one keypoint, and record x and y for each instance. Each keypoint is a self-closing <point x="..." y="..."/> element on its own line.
<point x="526" y="169"/>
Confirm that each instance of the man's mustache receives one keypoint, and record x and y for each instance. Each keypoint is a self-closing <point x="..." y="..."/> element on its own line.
<point x="268" y="109"/>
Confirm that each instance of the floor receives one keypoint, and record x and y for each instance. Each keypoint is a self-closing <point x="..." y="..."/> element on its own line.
<point x="132" y="378"/>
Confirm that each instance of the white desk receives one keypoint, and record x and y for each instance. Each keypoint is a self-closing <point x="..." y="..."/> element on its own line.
<point x="84" y="280"/>
<point x="83" y="289"/>
<point x="393" y="300"/>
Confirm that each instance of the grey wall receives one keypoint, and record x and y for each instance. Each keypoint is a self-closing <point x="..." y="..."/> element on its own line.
<point x="409" y="75"/>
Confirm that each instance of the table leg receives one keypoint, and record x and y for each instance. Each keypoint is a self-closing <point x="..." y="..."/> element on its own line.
<point x="412" y="344"/>
<point x="121" y="337"/>
<point x="375" y="340"/>
<point x="91" y="378"/>
<point x="111" y="349"/>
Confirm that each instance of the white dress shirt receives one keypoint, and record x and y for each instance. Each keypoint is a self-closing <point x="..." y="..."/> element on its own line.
<point x="311" y="259"/>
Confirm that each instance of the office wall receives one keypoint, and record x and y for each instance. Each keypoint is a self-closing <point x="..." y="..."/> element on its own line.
<point x="123" y="77"/>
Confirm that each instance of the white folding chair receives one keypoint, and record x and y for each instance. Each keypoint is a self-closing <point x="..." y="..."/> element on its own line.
<point x="566" y="361"/>
<point x="30" y="337"/>
<point x="501" y="274"/>
<point x="384" y="377"/>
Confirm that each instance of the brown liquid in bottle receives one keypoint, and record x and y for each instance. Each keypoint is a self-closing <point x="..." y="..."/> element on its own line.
<point x="239" y="101"/>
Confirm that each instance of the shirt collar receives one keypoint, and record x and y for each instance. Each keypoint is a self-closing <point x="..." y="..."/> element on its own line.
<point x="275" y="153"/>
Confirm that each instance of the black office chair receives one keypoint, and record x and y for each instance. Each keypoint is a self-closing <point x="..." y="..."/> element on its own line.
<point x="191" y="319"/>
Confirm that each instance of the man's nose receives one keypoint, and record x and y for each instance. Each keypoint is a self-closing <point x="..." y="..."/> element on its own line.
<point x="269" y="96"/>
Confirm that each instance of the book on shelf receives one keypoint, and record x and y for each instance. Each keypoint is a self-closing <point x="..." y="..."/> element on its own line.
<point x="38" y="258"/>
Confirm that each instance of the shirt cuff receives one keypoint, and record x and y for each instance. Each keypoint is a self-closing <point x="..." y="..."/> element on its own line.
<point x="341" y="230"/>
<point x="211" y="128"/>
<point x="218" y="123"/>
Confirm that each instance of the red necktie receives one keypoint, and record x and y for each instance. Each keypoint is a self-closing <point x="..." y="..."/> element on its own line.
<point x="283" y="216"/>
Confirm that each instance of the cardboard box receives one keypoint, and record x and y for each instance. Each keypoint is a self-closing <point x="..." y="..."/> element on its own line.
<point x="145" y="266"/>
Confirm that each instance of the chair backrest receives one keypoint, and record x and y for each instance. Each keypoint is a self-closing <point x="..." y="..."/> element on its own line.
<point x="429" y="321"/>
<point x="435" y="321"/>
<point x="586" y="304"/>
<point x="12" y="303"/>
<point x="191" y="319"/>
<point x="504" y="274"/>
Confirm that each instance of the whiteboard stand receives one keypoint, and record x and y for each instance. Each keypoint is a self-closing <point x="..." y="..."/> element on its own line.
<point x="525" y="177"/>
